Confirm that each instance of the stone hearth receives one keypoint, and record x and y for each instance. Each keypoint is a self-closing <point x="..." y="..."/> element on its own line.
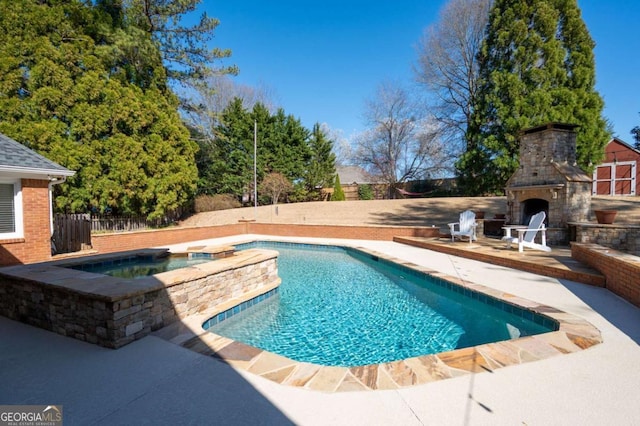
<point x="548" y="179"/>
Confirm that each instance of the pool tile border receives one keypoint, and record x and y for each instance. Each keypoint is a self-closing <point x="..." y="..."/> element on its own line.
<point x="235" y="310"/>
<point x="573" y="334"/>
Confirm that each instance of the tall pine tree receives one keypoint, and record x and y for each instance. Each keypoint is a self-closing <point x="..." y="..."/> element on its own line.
<point x="229" y="165"/>
<point x="321" y="167"/>
<point x="536" y="66"/>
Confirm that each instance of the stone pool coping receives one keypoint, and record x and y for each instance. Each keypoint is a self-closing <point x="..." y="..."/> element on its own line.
<point x="574" y="334"/>
<point x="59" y="274"/>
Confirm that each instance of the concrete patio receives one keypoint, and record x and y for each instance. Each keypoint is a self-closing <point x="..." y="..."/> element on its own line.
<point x="152" y="381"/>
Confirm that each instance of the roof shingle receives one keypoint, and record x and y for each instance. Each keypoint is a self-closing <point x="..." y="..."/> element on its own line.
<point x="14" y="155"/>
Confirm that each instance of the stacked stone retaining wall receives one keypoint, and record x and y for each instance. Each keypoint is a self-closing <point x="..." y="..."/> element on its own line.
<point x="623" y="237"/>
<point x="113" y="312"/>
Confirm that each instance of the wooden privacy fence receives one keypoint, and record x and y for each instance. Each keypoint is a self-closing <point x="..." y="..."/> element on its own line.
<point x="71" y="233"/>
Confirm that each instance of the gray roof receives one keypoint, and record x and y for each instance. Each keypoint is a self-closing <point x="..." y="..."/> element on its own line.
<point x="353" y="174"/>
<point x="19" y="160"/>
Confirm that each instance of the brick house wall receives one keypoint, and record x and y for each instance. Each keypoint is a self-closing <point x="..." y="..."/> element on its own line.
<point x="35" y="246"/>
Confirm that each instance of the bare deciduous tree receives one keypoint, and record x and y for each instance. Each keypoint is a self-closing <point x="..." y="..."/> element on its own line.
<point x="274" y="185"/>
<point x="448" y="63"/>
<point x="400" y="145"/>
<point x="341" y="148"/>
<point x="209" y="98"/>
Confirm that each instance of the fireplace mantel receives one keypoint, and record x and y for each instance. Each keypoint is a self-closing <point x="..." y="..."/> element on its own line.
<point x="552" y="186"/>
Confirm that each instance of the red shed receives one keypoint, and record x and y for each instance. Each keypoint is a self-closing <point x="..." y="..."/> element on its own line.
<point x="619" y="173"/>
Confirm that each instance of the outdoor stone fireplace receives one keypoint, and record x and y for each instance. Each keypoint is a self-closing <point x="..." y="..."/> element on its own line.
<point x="549" y="180"/>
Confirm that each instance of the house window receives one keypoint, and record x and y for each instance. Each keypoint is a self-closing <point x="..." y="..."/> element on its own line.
<point x="10" y="210"/>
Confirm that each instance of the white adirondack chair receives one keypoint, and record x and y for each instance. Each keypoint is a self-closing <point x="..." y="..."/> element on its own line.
<point x="526" y="237"/>
<point x="466" y="226"/>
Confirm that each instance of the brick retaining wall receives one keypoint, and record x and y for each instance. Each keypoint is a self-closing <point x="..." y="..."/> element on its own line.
<point x="122" y="241"/>
<point x="621" y="270"/>
<point x="386" y="233"/>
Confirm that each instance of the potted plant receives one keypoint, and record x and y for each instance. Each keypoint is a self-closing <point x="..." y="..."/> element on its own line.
<point x="605" y="216"/>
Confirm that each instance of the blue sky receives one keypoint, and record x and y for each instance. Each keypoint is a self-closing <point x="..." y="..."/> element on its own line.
<point x="323" y="59"/>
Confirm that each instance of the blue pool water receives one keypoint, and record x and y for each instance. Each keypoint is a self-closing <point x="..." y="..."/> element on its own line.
<point x="139" y="266"/>
<point x="342" y="307"/>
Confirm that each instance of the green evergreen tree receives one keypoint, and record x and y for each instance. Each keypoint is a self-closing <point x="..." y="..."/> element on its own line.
<point x="284" y="146"/>
<point x="184" y="49"/>
<point x="126" y="50"/>
<point x="66" y="91"/>
<point x="635" y="132"/>
<point x="365" y="192"/>
<point x="338" y="193"/>
<point x="321" y="166"/>
<point x="536" y="66"/>
<point x="229" y="169"/>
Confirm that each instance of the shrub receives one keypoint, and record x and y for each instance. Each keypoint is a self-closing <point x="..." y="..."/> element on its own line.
<point x="338" y="193"/>
<point x="208" y="203"/>
<point x="365" y="192"/>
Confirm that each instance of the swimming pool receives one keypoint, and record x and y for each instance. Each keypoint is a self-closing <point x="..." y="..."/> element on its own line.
<point x="339" y="306"/>
<point x="141" y="265"/>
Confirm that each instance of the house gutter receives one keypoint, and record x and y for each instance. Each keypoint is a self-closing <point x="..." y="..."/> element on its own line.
<point x="34" y="173"/>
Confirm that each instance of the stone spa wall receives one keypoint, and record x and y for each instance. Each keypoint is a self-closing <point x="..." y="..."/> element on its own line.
<point x="113" y="312"/>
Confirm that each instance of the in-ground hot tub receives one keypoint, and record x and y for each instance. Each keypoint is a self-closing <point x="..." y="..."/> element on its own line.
<point x="113" y="311"/>
<point x="142" y="265"/>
